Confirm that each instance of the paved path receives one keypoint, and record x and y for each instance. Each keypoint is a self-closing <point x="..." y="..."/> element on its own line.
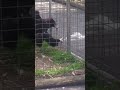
<point x="77" y="24"/>
<point x="67" y="88"/>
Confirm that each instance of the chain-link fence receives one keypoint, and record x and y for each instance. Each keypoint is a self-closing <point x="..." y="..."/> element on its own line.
<point x="69" y="28"/>
<point x="102" y="35"/>
<point x="60" y="37"/>
<point x="16" y="45"/>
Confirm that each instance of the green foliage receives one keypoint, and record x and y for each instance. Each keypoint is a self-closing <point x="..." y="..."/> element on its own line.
<point x="46" y="49"/>
<point x="24" y="44"/>
<point x="39" y="72"/>
<point x="57" y="55"/>
<point x="61" y="58"/>
<point x="25" y="51"/>
<point x="59" y="71"/>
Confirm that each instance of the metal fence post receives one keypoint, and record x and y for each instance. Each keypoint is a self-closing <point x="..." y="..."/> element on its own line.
<point x="50" y="7"/>
<point x="68" y="27"/>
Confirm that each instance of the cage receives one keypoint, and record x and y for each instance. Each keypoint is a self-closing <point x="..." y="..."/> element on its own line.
<point x="102" y="35"/>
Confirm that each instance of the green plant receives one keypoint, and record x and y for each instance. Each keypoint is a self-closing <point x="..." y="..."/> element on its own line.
<point x="66" y="61"/>
<point x="25" y="52"/>
<point x="57" y="55"/>
<point x="46" y="48"/>
<point x="59" y="71"/>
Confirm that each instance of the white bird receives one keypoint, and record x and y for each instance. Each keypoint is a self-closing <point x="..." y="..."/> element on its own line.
<point x="74" y="36"/>
<point x="77" y="36"/>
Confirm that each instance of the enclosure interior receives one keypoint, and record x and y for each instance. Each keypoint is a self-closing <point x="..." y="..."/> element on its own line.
<point x="69" y="27"/>
<point x="68" y="24"/>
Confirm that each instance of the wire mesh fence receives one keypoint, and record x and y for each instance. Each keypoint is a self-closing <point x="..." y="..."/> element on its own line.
<point x="15" y="57"/>
<point x="102" y="35"/>
<point x="69" y="28"/>
<point x="60" y="37"/>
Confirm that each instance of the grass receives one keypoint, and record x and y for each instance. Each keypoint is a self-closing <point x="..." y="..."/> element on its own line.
<point x="25" y="52"/>
<point x="61" y="58"/>
<point x="57" y="71"/>
<point x="57" y="55"/>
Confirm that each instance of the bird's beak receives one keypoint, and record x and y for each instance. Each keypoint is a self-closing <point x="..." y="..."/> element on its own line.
<point x="55" y="25"/>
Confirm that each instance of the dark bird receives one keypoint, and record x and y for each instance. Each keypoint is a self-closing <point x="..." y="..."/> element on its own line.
<point x="42" y="25"/>
<point x="40" y="37"/>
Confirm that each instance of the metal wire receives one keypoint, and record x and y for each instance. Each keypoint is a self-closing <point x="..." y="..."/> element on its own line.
<point x="70" y="27"/>
<point x="102" y="33"/>
<point x="14" y="20"/>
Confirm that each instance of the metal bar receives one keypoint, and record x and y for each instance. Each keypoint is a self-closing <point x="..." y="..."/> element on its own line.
<point x="82" y="7"/>
<point x="50" y="8"/>
<point x="68" y="27"/>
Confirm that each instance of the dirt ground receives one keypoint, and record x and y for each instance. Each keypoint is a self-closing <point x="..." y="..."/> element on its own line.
<point x="43" y="62"/>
